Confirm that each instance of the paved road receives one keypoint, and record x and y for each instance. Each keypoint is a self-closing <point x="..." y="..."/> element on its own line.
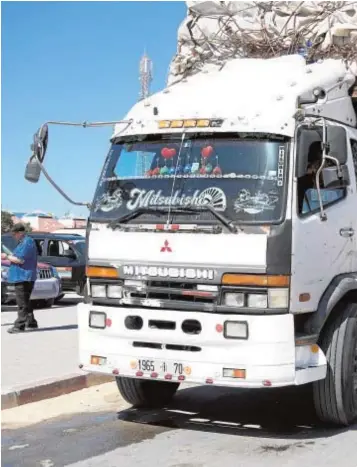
<point x="203" y="427"/>
<point x="46" y="353"/>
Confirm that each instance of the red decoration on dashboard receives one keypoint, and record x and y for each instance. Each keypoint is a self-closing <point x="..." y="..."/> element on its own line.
<point x="207" y="151"/>
<point x="168" y="153"/>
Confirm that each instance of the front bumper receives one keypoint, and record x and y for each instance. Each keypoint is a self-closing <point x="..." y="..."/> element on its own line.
<point x="44" y="289"/>
<point x="268" y="357"/>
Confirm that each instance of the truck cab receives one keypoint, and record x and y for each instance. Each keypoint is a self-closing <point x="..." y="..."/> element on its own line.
<point x="222" y="245"/>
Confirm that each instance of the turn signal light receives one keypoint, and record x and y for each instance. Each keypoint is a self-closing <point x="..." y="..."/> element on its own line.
<point x="256" y="280"/>
<point x="96" y="360"/>
<point x="101" y="271"/>
<point x="233" y="373"/>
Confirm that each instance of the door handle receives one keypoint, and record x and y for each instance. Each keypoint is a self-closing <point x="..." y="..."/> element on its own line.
<point x="347" y="232"/>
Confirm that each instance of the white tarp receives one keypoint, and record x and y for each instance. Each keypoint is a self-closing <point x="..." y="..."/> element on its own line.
<point x="214" y="32"/>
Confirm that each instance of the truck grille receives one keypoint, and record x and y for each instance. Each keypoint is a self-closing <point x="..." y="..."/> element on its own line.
<point x="173" y="291"/>
<point x="44" y="274"/>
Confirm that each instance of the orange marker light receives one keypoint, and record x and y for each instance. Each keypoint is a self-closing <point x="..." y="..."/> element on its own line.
<point x="99" y="271"/>
<point x="304" y="297"/>
<point x="256" y="280"/>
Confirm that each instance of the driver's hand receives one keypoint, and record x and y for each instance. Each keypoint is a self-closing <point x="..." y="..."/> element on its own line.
<point x="3" y="256"/>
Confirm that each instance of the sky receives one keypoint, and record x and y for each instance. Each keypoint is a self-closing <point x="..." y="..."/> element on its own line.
<point x="73" y="61"/>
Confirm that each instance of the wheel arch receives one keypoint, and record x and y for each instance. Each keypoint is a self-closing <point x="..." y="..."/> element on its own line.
<point x="343" y="288"/>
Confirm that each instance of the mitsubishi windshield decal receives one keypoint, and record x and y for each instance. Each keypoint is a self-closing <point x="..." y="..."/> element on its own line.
<point x="139" y="198"/>
<point x="255" y="203"/>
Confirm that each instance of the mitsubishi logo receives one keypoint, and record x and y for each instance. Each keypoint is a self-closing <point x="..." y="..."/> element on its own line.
<point x="166" y="247"/>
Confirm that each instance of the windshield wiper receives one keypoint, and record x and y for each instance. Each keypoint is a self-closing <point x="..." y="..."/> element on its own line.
<point x="136" y="213"/>
<point x="160" y="210"/>
<point x="194" y="209"/>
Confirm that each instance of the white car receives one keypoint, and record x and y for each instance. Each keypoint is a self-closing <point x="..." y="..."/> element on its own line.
<point x="47" y="289"/>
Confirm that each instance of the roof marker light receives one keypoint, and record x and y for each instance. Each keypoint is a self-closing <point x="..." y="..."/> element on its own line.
<point x="177" y="124"/>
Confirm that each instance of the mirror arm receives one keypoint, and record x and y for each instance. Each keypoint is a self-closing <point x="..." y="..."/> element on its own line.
<point x="54" y="184"/>
<point x="325" y="149"/>
<point x="83" y="125"/>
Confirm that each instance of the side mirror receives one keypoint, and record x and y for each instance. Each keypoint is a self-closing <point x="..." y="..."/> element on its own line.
<point x="39" y="148"/>
<point x="337" y="141"/>
<point x="333" y="179"/>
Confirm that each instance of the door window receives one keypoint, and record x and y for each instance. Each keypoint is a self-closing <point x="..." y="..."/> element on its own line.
<point x="308" y="199"/>
<point x="39" y="245"/>
<point x="59" y="249"/>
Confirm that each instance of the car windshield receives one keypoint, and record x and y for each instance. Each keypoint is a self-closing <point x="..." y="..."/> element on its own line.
<point x="242" y="178"/>
<point x="80" y="246"/>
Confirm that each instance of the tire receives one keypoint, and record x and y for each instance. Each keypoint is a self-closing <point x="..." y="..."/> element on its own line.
<point x="335" y="397"/>
<point x="59" y="298"/>
<point x="43" y="303"/>
<point x="142" y="393"/>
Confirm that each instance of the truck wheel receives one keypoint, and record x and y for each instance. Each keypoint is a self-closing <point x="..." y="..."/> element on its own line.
<point x="335" y="397"/>
<point x="141" y="393"/>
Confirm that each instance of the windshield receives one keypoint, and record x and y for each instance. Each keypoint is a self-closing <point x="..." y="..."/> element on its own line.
<point x="244" y="179"/>
<point x="80" y="246"/>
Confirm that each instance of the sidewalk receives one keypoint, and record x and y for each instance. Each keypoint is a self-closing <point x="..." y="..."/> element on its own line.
<point x="34" y="356"/>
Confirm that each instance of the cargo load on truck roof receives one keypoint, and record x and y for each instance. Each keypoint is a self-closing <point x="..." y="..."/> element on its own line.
<point x="215" y="32"/>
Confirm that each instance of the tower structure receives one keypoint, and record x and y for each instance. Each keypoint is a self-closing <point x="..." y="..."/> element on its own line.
<point x="145" y="77"/>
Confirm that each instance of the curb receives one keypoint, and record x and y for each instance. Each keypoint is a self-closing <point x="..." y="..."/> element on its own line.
<point x="52" y="388"/>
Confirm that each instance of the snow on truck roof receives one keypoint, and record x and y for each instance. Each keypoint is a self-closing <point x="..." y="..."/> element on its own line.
<point x="250" y="95"/>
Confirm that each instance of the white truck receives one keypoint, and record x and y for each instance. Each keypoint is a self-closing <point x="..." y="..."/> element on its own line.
<point x="232" y="260"/>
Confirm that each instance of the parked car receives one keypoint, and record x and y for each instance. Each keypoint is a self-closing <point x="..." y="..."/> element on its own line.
<point x="47" y="288"/>
<point x="66" y="252"/>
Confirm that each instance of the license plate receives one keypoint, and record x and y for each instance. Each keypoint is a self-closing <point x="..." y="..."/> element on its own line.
<point x="161" y="367"/>
<point x="64" y="273"/>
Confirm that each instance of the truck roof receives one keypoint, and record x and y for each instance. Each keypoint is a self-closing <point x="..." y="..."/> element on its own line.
<point x="250" y="95"/>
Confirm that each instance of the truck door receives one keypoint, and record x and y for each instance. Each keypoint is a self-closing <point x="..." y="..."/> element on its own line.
<point x="322" y="250"/>
<point x="353" y="141"/>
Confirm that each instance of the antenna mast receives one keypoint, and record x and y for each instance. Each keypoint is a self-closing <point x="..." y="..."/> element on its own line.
<point x="145" y="77"/>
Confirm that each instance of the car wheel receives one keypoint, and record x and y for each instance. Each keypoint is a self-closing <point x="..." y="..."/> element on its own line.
<point x="59" y="298"/>
<point x="39" y="304"/>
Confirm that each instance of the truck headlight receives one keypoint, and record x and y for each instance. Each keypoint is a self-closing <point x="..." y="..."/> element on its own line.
<point x="257" y="300"/>
<point x="278" y="298"/>
<point x="115" y="291"/>
<point x="98" y="291"/>
<point x="233" y="299"/>
<point x="97" y="320"/>
<point x="236" y="330"/>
